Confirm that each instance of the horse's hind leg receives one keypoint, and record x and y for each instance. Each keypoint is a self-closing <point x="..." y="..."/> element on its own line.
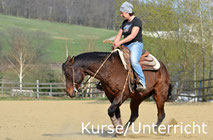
<point x="160" y="97"/>
<point x="134" y="106"/>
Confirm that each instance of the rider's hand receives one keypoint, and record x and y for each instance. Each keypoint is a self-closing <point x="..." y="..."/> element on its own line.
<point x="116" y="44"/>
<point x="112" y="47"/>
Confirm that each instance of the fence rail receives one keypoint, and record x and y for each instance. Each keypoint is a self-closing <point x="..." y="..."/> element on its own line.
<point x="200" y="89"/>
<point x="50" y="89"/>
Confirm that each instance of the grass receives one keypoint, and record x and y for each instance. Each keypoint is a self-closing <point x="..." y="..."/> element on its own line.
<point x="77" y="37"/>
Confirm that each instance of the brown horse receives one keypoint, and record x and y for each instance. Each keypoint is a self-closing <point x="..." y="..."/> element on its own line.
<point x="112" y="77"/>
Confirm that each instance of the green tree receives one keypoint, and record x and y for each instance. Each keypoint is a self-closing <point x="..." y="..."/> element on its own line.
<point x="179" y="33"/>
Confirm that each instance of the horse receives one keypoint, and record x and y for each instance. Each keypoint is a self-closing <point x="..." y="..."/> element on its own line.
<point x="112" y="77"/>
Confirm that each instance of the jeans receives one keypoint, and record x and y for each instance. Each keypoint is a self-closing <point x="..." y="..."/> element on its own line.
<point x="136" y="52"/>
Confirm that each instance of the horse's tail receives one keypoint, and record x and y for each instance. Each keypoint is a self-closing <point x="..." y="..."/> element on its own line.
<point x="170" y="91"/>
<point x="168" y="80"/>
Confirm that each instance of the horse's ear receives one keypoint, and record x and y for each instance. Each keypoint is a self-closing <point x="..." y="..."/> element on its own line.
<point x="70" y="60"/>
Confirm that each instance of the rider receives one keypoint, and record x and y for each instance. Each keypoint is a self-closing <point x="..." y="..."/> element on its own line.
<point x="131" y="28"/>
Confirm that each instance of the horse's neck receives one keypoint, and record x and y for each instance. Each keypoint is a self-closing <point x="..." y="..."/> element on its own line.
<point x="94" y="71"/>
<point x="95" y="68"/>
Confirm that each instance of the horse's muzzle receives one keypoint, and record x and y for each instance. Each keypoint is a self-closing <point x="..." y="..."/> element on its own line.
<point x="74" y="93"/>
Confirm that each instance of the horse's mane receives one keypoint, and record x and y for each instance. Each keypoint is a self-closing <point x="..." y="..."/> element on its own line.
<point x="90" y="57"/>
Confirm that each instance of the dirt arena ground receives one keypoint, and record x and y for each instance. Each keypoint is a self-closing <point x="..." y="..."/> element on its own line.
<point x="62" y="120"/>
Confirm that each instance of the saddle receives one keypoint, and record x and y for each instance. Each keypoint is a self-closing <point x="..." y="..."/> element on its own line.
<point x="147" y="61"/>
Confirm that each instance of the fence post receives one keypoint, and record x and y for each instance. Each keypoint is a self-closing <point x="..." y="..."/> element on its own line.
<point x="88" y="88"/>
<point x="95" y="89"/>
<point x="176" y="88"/>
<point x="51" y="90"/>
<point x="37" y="89"/>
<point x="195" y="86"/>
<point x="20" y="88"/>
<point x="199" y="90"/>
<point x="209" y="85"/>
<point x="2" y="87"/>
<point x="203" y="94"/>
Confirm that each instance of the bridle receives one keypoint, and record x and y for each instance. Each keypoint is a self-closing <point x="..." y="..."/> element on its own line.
<point x="84" y="88"/>
<point x="73" y="80"/>
<point x="73" y="75"/>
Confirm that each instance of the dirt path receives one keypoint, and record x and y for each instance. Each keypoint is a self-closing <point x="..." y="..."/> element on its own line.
<point x="62" y="120"/>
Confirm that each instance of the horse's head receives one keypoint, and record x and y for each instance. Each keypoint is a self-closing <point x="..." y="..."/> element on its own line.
<point x="74" y="76"/>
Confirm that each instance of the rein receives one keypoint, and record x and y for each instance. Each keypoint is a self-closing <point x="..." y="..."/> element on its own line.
<point x="84" y="88"/>
<point x="92" y="77"/>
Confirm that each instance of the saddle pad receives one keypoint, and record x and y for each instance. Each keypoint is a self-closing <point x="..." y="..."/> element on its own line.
<point x="148" y="63"/>
<point x="121" y="57"/>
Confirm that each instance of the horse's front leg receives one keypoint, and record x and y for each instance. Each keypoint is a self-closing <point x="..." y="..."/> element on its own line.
<point x="118" y="115"/>
<point x="112" y="110"/>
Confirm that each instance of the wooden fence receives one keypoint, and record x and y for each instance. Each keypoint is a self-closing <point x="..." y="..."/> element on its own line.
<point x="201" y="90"/>
<point x="45" y="89"/>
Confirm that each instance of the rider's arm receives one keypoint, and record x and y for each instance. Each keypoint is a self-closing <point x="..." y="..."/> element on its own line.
<point x="133" y="34"/>
<point x="118" y="37"/>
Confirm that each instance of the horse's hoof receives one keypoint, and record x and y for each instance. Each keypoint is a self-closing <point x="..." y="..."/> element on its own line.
<point x="118" y="135"/>
<point x="156" y="128"/>
<point x="120" y="130"/>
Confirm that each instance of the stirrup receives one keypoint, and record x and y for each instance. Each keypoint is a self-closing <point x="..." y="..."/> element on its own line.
<point x="140" y="87"/>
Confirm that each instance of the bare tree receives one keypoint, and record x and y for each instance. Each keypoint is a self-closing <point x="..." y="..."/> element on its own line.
<point x="97" y="13"/>
<point x="26" y="8"/>
<point x="1" y="6"/>
<point x="0" y="51"/>
<point x="22" y="54"/>
<point x="0" y="61"/>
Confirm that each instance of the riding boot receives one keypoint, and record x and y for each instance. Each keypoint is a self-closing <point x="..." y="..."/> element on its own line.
<point x="140" y="87"/>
